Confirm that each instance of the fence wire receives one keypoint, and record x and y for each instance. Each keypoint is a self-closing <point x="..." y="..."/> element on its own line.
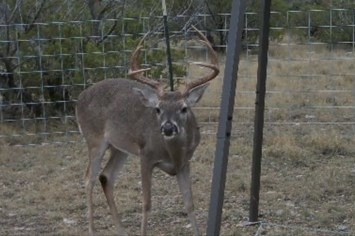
<point x="310" y="77"/>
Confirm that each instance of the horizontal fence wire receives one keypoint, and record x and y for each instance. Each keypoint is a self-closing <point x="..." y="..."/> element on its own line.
<point x="310" y="72"/>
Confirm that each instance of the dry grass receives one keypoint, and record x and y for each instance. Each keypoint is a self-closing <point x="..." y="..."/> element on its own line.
<point x="308" y="168"/>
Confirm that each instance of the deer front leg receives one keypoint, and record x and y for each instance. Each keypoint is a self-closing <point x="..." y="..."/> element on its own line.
<point x="146" y="175"/>
<point x="184" y="181"/>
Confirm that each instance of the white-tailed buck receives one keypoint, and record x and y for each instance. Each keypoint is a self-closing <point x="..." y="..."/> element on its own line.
<point x="136" y="116"/>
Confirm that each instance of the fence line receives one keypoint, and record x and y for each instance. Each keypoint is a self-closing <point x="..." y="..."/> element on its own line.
<point x="308" y="59"/>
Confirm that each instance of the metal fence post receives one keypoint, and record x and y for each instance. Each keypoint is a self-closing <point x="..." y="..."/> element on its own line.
<point x="225" y="119"/>
<point x="259" y="111"/>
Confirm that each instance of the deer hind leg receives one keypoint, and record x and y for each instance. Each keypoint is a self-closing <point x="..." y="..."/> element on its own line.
<point x="146" y="175"/>
<point x="107" y="179"/>
<point x="96" y="153"/>
<point x="184" y="181"/>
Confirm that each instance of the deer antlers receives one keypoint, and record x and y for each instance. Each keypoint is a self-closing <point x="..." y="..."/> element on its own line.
<point x="137" y="74"/>
<point x="213" y="65"/>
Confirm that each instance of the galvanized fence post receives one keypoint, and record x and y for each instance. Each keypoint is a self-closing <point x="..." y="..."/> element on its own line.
<point x="226" y="116"/>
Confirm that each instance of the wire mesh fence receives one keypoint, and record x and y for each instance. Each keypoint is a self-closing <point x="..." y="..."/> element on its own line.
<point x="310" y="103"/>
<point x="45" y="65"/>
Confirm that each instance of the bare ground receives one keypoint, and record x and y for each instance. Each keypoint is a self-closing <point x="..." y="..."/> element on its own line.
<point x="307" y="188"/>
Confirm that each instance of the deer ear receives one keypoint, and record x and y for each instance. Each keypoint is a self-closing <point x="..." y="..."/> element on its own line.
<point x="195" y="94"/>
<point x="147" y="96"/>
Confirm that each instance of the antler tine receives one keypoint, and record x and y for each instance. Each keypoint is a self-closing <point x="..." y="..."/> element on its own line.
<point x="137" y="74"/>
<point x="212" y="65"/>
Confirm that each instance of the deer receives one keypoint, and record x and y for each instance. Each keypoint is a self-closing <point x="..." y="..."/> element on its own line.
<point x="138" y="117"/>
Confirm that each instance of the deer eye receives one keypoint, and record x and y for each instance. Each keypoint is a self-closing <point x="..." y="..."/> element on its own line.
<point x="184" y="110"/>
<point x="157" y="110"/>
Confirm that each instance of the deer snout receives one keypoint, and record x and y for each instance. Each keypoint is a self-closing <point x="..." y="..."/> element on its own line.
<point x="169" y="129"/>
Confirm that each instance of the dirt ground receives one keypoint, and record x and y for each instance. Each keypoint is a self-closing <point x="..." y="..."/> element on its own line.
<point x="308" y="165"/>
<point x="307" y="188"/>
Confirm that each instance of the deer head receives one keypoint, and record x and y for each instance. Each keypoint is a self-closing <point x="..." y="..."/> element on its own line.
<point x="172" y="108"/>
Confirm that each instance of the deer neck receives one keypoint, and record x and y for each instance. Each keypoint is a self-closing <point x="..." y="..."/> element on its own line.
<point x="180" y="149"/>
<point x="176" y="147"/>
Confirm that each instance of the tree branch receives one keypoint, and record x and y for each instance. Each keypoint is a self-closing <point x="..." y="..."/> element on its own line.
<point x="35" y="17"/>
<point x="17" y="5"/>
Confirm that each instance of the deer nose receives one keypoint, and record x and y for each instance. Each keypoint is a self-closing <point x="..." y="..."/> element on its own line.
<point x="168" y="129"/>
